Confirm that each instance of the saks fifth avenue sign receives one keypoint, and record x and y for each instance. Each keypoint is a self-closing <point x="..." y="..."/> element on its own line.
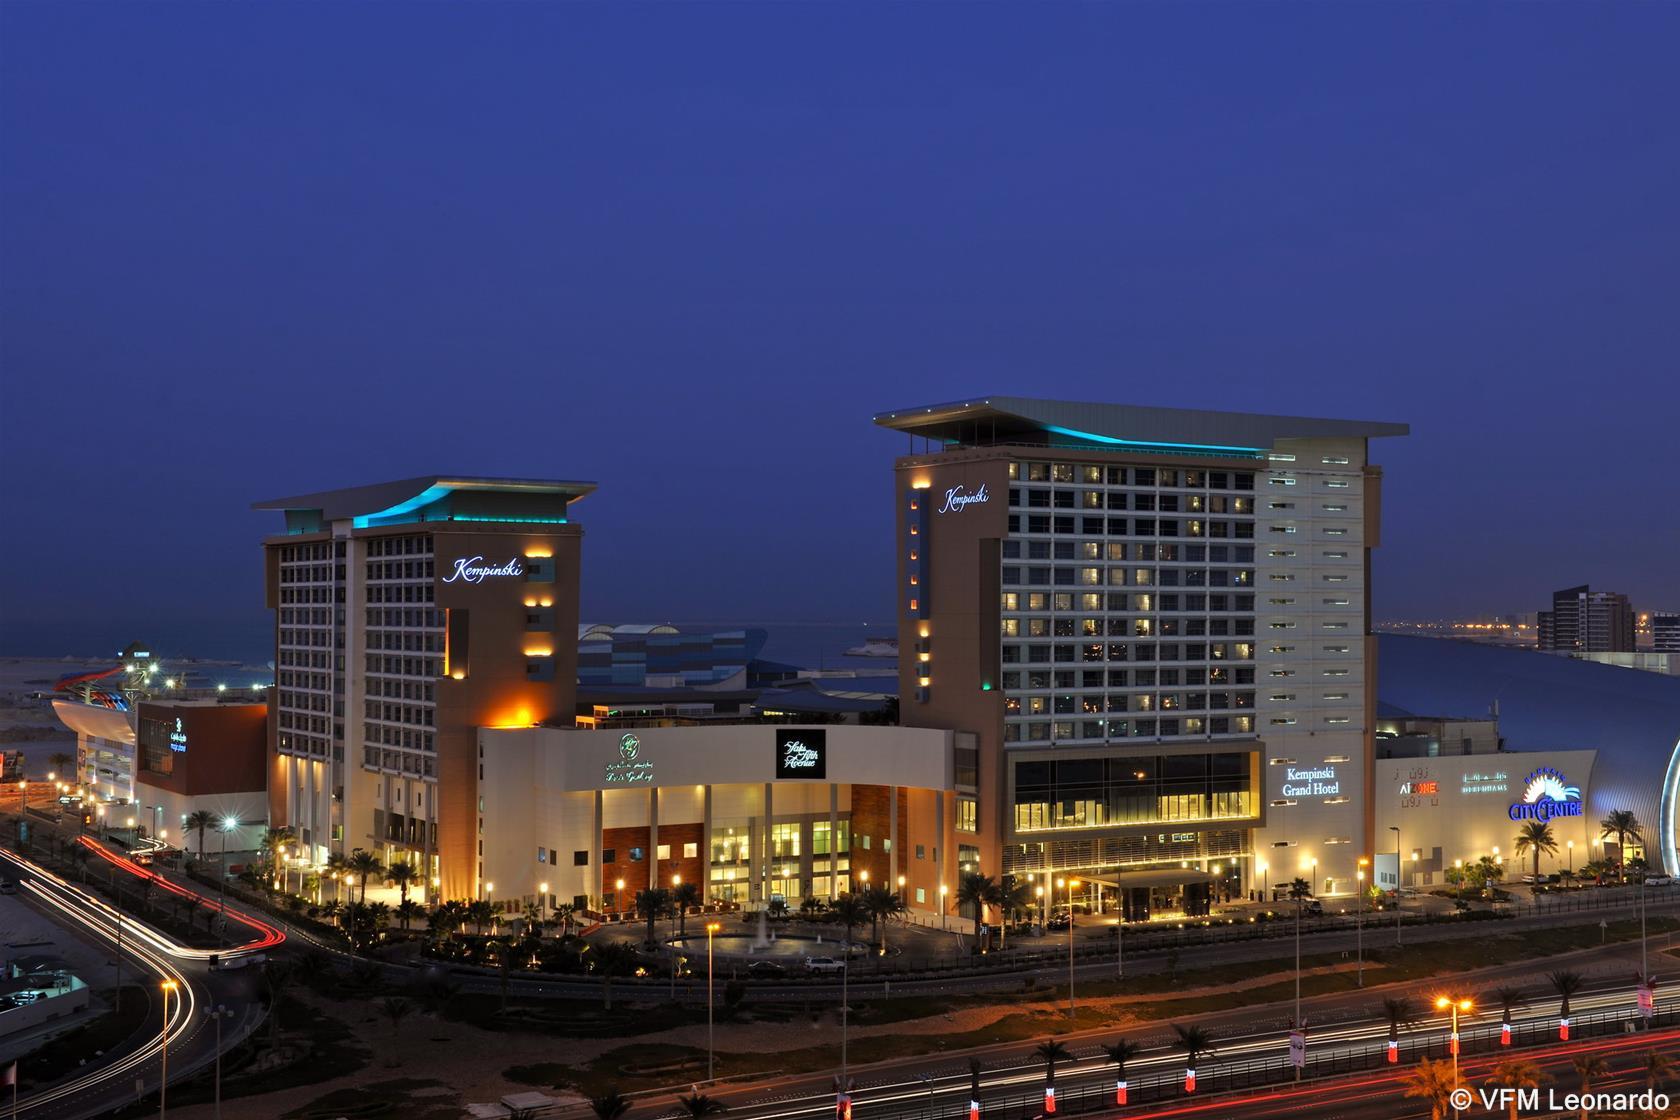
<point x="477" y="571"/>
<point x="1315" y="782"/>
<point x="957" y="499"/>
<point x="178" y="737"/>
<point x="1546" y="796"/>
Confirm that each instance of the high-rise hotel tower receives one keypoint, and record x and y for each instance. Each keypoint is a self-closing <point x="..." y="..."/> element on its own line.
<point x="408" y="615"/>
<point x="1157" y="622"/>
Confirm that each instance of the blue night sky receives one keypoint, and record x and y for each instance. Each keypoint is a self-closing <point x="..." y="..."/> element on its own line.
<point x="248" y="250"/>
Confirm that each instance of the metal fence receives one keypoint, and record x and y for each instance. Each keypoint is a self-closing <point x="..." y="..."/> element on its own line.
<point x="1216" y="1076"/>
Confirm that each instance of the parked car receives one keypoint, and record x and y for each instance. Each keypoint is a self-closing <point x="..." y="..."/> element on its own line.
<point x="1313" y="908"/>
<point x="823" y="964"/>
<point x="1659" y="880"/>
<point x="766" y="970"/>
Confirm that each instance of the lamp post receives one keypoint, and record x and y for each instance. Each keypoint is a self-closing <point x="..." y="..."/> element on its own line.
<point x="1359" y="922"/>
<point x="218" y="1013"/>
<point x="163" y="1080"/>
<point x="228" y="825"/>
<point x="1071" y="883"/>
<point x="1265" y="882"/>
<point x="542" y="905"/>
<point x="618" y="895"/>
<point x="944" y="911"/>
<point x="1572" y="860"/>
<point x="711" y="928"/>
<point x="902" y="896"/>
<point x="1119" y="924"/>
<point x="1400" y="874"/>
<point x="1447" y="1003"/>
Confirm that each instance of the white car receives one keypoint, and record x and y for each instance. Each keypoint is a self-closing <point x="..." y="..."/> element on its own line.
<point x="1659" y="880"/>
<point x="823" y="964"/>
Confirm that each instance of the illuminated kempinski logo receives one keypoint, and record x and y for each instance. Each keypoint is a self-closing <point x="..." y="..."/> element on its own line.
<point x="476" y="571"/>
<point x="1546" y="795"/>
<point x="957" y="499"/>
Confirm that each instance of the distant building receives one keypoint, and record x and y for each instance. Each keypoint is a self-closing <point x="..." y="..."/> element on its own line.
<point x="1585" y="621"/>
<point x="1665" y="631"/>
<point x="661" y="656"/>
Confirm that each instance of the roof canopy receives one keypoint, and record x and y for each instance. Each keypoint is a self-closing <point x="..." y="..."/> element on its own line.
<point x="1074" y="423"/>
<point x="433" y="498"/>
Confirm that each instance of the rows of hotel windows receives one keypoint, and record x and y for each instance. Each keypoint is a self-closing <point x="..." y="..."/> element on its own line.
<point x="309" y="711"/>
<point x="1094" y="474"/>
<point x="1166" y="847"/>
<point x="1144" y="789"/>
<point x="398" y="714"/>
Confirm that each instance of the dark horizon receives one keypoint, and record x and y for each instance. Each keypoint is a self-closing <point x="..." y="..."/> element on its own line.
<point x="248" y="251"/>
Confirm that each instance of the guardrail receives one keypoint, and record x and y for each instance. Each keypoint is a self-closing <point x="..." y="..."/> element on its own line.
<point x="1214" y="1076"/>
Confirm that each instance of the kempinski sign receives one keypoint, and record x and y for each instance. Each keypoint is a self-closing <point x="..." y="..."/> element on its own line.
<point x="476" y="571"/>
<point x="1318" y="781"/>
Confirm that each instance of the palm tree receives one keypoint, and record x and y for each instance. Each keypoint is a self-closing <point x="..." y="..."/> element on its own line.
<point x="850" y="912"/>
<point x="337" y="865"/>
<point x="1121" y="1051"/>
<point x="1589" y="1068"/>
<point x="563" y="912"/>
<point x="1566" y="984"/>
<point x="1509" y="1000"/>
<point x="698" y="1104"/>
<point x="652" y="902"/>
<point x="1534" y="839"/>
<point x="199" y="821"/>
<point x="683" y="897"/>
<point x="1657" y="1067"/>
<point x="1194" y="1041"/>
<point x="407" y="910"/>
<point x="1050" y="1051"/>
<point x="1518" y="1073"/>
<point x="883" y="903"/>
<point x="480" y="913"/>
<point x="396" y="1009"/>
<point x="362" y="864"/>
<point x="1401" y="1012"/>
<point x="402" y="874"/>
<point x="1489" y="871"/>
<point x="1432" y="1082"/>
<point x="978" y="891"/>
<point x="1012" y="898"/>
<point x="1621" y="823"/>
<point x="612" y="1106"/>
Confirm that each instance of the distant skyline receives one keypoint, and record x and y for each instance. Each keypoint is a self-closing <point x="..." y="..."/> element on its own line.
<point x="687" y="251"/>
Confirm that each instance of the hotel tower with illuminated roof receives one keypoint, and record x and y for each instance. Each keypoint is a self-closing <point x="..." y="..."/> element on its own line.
<point x="1157" y="623"/>
<point x="408" y="615"/>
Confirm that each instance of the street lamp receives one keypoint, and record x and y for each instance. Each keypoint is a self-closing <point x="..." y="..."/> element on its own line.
<point x="1071" y="883"/>
<point x="1265" y="881"/>
<point x="1572" y="859"/>
<point x="902" y="897"/>
<point x="711" y="928"/>
<point x="618" y="895"/>
<point x="228" y="825"/>
<point x="218" y="1013"/>
<point x="163" y="1080"/>
<point x="1359" y="921"/>
<point x="944" y="913"/>
<point x="1400" y="874"/>
<point x="1447" y="1003"/>
<point x="542" y="903"/>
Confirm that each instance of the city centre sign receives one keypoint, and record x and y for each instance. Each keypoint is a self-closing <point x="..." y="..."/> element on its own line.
<point x="630" y="770"/>
<point x="476" y="571"/>
<point x="1547" y="795"/>
<point x="957" y="499"/>
<point x="1320" y="781"/>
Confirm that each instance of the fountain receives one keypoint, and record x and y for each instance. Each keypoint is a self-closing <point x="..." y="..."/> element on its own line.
<point x="762" y="941"/>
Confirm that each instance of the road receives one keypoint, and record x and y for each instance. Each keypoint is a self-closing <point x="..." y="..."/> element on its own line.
<point x="188" y="1036"/>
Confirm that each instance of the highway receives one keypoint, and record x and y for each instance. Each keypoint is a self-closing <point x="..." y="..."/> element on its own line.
<point x="187" y="1033"/>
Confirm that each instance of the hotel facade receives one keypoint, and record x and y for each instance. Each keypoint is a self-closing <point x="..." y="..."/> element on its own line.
<point x="1156" y="623"/>
<point x="408" y="615"/>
